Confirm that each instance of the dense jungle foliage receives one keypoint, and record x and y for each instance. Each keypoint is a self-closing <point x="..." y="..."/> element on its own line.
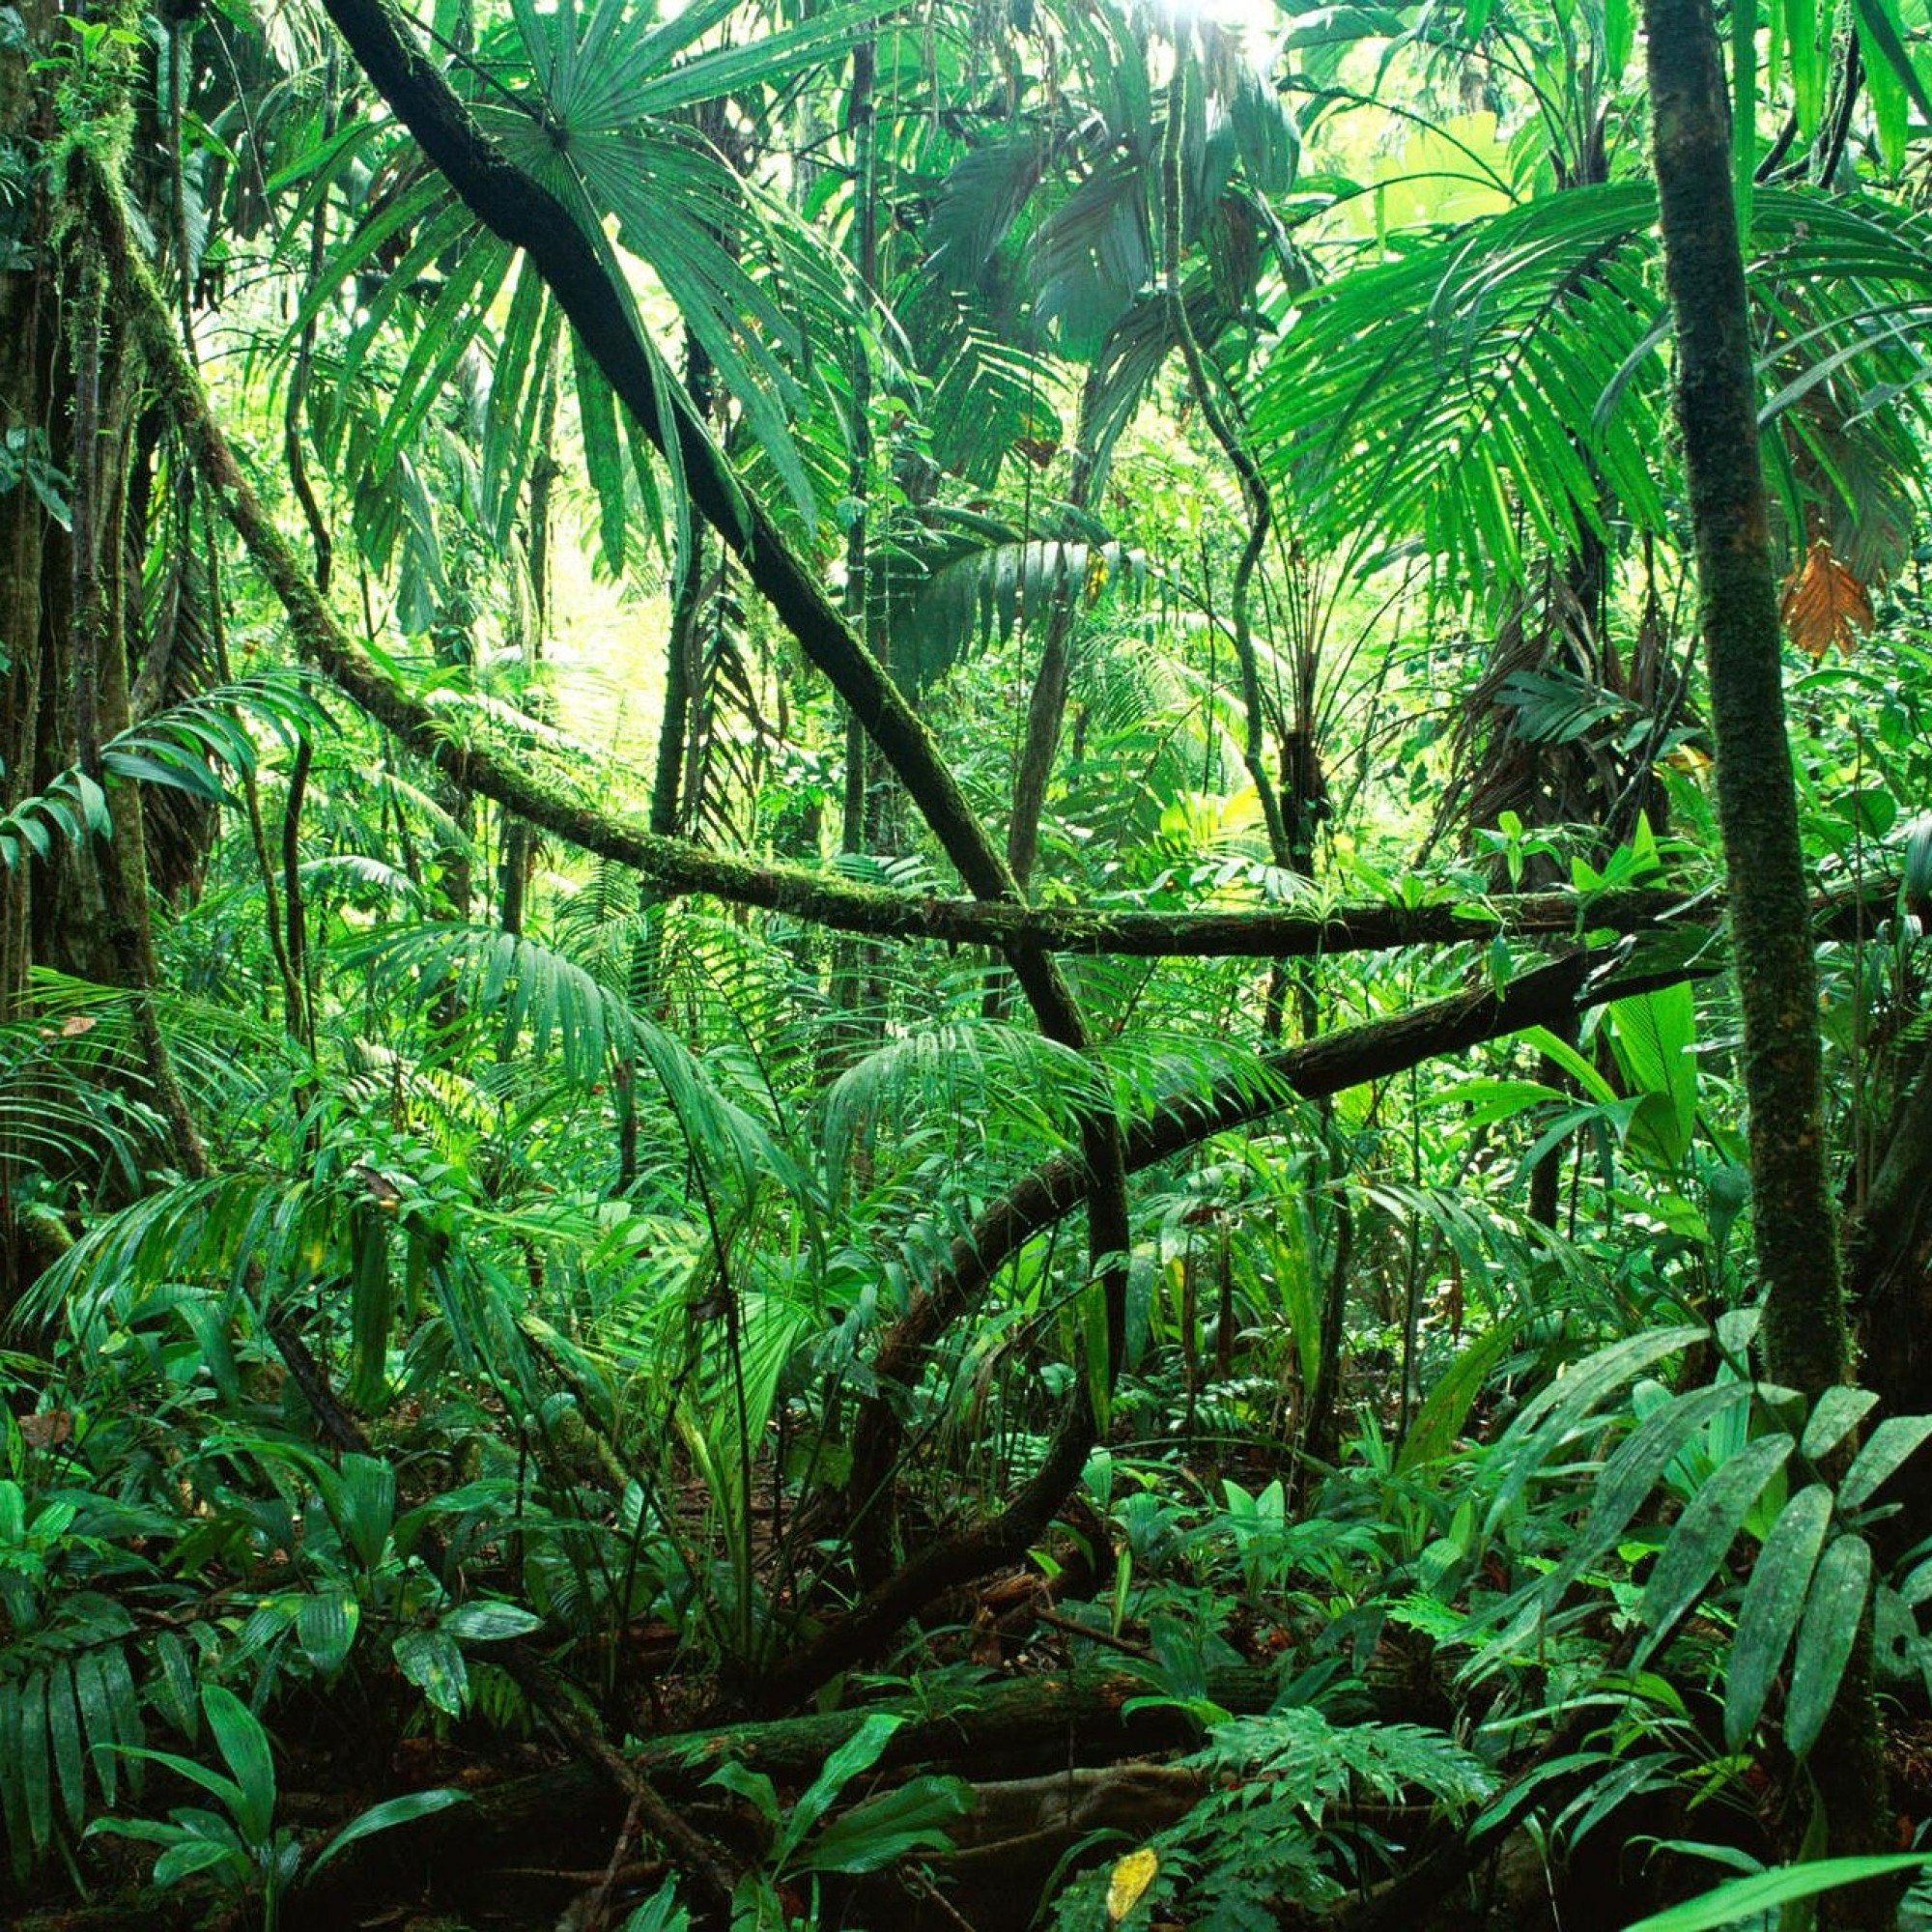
<point x="963" y="965"/>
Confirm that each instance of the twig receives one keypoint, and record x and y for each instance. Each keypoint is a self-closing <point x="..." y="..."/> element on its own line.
<point x="1055" y="1621"/>
<point x="696" y="1854"/>
<point x="597" y="1904"/>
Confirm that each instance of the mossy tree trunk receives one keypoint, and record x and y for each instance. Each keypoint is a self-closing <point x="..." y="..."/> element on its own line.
<point x="1805" y="1330"/>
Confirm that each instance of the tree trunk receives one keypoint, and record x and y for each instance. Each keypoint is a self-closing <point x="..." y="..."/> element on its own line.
<point x="27" y="336"/>
<point x="1804" y="1334"/>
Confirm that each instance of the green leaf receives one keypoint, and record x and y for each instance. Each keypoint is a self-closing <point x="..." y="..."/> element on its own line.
<point x="1572" y="1396"/>
<point x="490" y="1622"/>
<point x="1553" y="1048"/>
<point x="36" y="1784"/>
<point x="855" y="1756"/>
<point x="382" y="1817"/>
<point x="1628" y="1478"/>
<point x="174" y="1691"/>
<point x="245" y="1744"/>
<point x="752" y="1786"/>
<point x="174" y="773"/>
<point x="433" y="1661"/>
<point x="325" y="1628"/>
<point x="64" y="1734"/>
<point x="1550" y="1416"/>
<point x="871" y="1835"/>
<point x="1889" y="1444"/>
<point x="1655" y="1035"/>
<point x="1880" y="35"/>
<point x="1650" y="1448"/>
<point x="1743" y="116"/>
<point x="366" y="1499"/>
<point x="1704" y="1533"/>
<point x="603" y="453"/>
<point x="223" y="1789"/>
<point x="1446" y="1407"/>
<point x="1808" y="65"/>
<point x="99" y="1721"/>
<point x="1742" y="1899"/>
<point x="13" y="1805"/>
<point x="372" y="1305"/>
<point x="1619" y="37"/>
<point x="187" y="1856"/>
<point x="1839" y="1412"/>
<point x="1832" y="1613"/>
<point x="1769" y="1613"/>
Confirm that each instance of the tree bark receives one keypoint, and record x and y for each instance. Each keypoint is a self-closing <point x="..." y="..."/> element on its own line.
<point x="1805" y="1341"/>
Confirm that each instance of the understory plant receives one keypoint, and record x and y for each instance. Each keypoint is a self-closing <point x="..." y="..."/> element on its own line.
<point x="240" y="1847"/>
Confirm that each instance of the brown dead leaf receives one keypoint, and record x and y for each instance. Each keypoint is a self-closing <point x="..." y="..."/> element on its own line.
<point x="47" y="1428"/>
<point x="1824" y="604"/>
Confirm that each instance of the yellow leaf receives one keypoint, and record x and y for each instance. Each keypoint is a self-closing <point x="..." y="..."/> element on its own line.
<point x="1129" y="1883"/>
<point x="1824" y="604"/>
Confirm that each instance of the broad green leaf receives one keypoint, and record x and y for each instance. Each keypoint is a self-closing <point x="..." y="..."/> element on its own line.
<point x="433" y="1661"/>
<point x="224" y="1790"/>
<point x="99" y="1720"/>
<point x="1703" y="1535"/>
<point x="12" y="1807"/>
<point x="245" y="1744"/>
<point x="367" y="1499"/>
<point x="1891" y="74"/>
<point x="855" y="1756"/>
<point x="1742" y="1900"/>
<point x="1654" y="1036"/>
<point x="1651" y="1449"/>
<point x="912" y="1818"/>
<point x="1832" y="1613"/>
<point x="603" y="453"/>
<point x="1769" y="1613"/>
<point x="1885" y="1449"/>
<point x="1809" y="64"/>
<point x="1577" y="1392"/>
<point x="490" y="1622"/>
<point x="372" y="1305"/>
<point x="1548" y="1417"/>
<point x="174" y="1691"/>
<point x="1446" y="1407"/>
<point x="64" y="1734"/>
<point x="1590" y="1078"/>
<point x="325" y="1628"/>
<point x="1619" y="37"/>
<point x="752" y="1786"/>
<point x="36" y="1783"/>
<point x="1627" y="1480"/>
<point x="186" y="1856"/>
<point x="1744" y="117"/>
<point x="390" y="1812"/>
<point x="1839" y="1412"/>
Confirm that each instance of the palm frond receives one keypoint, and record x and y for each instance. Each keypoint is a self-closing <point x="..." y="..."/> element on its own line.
<point x="956" y="589"/>
<point x="1503" y="390"/>
<point x="543" y="1003"/>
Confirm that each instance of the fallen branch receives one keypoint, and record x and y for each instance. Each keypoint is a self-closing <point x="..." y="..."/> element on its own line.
<point x="675" y="867"/>
<point x="1008" y="1728"/>
<point x="1054" y="1190"/>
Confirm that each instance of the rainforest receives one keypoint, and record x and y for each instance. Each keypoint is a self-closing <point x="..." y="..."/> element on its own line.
<point x="964" y="965"/>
